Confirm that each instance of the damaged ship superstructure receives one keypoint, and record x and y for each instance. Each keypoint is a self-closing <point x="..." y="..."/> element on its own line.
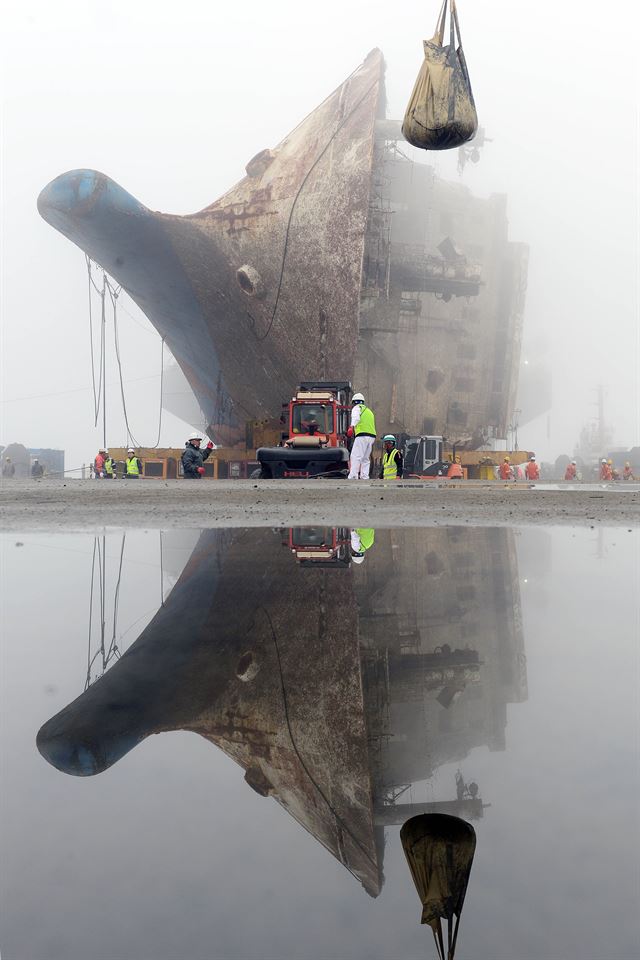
<point x="442" y="650"/>
<point x="333" y="687"/>
<point x="442" y="302"/>
<point x="335" y="258"/>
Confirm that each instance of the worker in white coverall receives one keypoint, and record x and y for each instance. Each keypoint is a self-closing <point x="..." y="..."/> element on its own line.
<point x="363" y="427"/>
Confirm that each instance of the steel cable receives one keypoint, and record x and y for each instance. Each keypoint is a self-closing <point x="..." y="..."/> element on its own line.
<point x="300" y="189"/>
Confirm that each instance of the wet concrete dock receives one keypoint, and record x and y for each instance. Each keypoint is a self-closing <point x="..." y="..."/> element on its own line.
<point x="77" y="504"/>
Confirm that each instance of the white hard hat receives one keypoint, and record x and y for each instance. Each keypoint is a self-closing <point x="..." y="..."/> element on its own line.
<point x="604" y="460"/>
<point x="573" y="462"/>
<point x="357" y="398"/>
<point x="130" y="450"/>
<point x="532" y="457"/>
<point x="102" y="450"/>
<point x="195" y="436"/>
<point x="357" y="558"/>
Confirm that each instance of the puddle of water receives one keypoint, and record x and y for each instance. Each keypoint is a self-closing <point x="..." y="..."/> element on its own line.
<point x="211" y="740"/>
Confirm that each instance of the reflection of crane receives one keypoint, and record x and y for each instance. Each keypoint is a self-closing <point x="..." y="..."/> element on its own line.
<point x="513" y="429"/>
<point x="601" y="547"/>
<point x="471" y="151"/>
<point x="467" y="804"/>
<point x="104" y="654"/>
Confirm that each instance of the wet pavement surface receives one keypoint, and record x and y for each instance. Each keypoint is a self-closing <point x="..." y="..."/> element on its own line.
<point x="76" y="504"/>
<point x="211" y="739"/>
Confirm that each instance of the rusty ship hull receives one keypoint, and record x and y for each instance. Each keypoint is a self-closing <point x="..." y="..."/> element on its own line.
<point x="261" y="288"/>
<point x="337" y="257"/>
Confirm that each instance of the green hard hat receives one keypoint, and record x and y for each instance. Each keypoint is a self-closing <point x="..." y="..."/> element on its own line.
<point x="388" y="436"/>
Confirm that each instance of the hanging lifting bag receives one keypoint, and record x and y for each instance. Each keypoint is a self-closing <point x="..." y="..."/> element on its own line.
<point x="441" y="114"/>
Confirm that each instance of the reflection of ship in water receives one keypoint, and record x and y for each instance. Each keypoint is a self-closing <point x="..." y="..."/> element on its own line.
<point x="442" y="651"/>
<point x="334" y="686"/>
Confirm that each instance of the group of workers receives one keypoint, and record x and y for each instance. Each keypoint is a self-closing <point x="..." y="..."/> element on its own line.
<point x="515" y="471"/>
<point x="362" y="430"/>
<point x="9" y="469"/>
<point x="106" y="468"/>
<point x="609" y="472"/>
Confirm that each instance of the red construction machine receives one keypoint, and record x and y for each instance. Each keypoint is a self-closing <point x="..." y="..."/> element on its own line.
<point x="316" y="442"/>
<point x="320" y="546"/>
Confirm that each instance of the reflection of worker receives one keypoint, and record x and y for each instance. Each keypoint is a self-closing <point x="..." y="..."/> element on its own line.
<point x="532" y="470"/>
<point x="572" y="471"/>
<point x="132" y="465"/>
<point x="193" y="457"/>
<point x="8" y="469"/>
<point x="627" y="473"/>
<point x="363" y="426"/>
<point x="37" y="470"/>
<point x="391" y="463"/>
<point x="455" y="471"/>
<point x="605" y="470"/>
<point x="361" y="541"/>
<point x="506" y="473"/>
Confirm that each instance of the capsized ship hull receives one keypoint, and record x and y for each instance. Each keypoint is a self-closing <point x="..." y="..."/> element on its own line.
<point x="261" y="288"/>
<point x="234" y="656"/>
<point x="333" y="687"/>
<point x="336" y="258"/>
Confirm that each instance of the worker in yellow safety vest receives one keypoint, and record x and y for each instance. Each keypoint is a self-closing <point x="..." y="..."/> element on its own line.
<point x="108" y="466"/>
<point x="391" y="463"/>
<point x="363" y="427"/>
<point x="361" y="541"/>
<point x="132" y="465"/>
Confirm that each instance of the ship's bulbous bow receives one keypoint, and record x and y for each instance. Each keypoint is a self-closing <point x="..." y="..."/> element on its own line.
<point x="261" y="288"/>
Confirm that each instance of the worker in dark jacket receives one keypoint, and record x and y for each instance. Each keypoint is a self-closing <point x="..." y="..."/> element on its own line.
<point x="193" y="457"/>
<point x="37" y="470"/>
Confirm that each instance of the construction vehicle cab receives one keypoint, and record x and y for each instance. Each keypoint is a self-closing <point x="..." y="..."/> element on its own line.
<point x="315" y="444"/>
<point x="424" y="457"/>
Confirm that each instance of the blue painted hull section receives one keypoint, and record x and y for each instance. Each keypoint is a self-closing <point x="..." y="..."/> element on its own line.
<point x="130" y="242"/>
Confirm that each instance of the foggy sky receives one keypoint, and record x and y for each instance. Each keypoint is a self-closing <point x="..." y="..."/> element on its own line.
<point x="172" y="100"/>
